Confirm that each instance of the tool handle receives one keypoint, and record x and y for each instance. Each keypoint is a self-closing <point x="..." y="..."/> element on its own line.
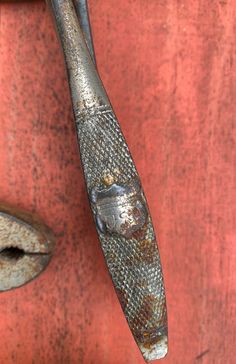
<point x="124" y="227"/>
<point x="119" y="206"/>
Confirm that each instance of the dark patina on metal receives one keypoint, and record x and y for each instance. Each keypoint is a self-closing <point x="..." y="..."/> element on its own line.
<point x="119" y="209"/>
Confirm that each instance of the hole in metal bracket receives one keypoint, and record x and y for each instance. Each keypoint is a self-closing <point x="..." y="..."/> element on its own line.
<point x="12" y="253"/>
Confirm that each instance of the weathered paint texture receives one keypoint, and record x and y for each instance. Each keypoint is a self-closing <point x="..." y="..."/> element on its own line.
<point x="170" y="71"/>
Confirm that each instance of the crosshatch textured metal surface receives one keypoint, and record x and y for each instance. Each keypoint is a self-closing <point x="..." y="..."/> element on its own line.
<point x="179" y="57"/>
<point x="134" y="262"/>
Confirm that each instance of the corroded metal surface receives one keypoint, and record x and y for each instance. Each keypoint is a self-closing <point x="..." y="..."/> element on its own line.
<point x="119" y="206"/>
<point x="130" y="249"/>
<point x="26" y="246"/>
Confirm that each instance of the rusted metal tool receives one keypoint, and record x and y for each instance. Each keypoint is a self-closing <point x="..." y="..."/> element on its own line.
<point x="26" y="246"/>
<point x="117" y="200"/>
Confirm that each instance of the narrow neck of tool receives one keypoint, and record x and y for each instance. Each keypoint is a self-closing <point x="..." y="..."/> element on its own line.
<point x="81" y="7"/>
<point x="86" y="87"/>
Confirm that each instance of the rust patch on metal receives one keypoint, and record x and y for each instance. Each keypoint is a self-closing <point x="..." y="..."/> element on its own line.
<point x="148" y="248"/>
<point x="145" y="255"/>
<point x="151" y="335"/>
<point x="141" y="233"/>
<point x="108" y="179"/>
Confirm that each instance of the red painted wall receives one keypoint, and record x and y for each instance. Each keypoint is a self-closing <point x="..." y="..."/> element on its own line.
<point x="170" y="70"/>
